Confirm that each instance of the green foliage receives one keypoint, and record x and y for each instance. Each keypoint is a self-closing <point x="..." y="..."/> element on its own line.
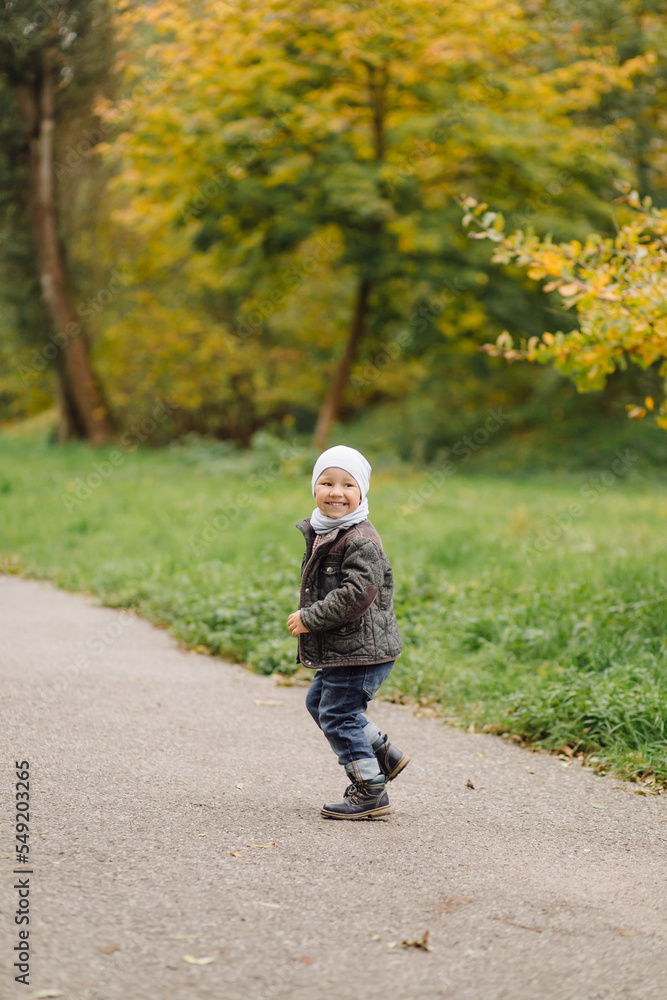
<point x="72" y="42"/>
<point x="264" y="171"/>
<point x="516" y="616"/>
<point x="617" y="285"/>
<point x="243" y="619"/>
<point x="630" y="117"/>
<point x="255" y="174"/>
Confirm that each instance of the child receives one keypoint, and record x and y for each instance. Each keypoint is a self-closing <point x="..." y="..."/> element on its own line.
<point x="347" y="630"/>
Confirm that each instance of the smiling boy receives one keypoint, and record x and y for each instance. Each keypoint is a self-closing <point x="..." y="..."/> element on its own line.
<point x="347" y="630"/>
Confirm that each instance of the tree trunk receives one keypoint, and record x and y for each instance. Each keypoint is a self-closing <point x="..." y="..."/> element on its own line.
<point x="377" y="90"/>
<point x="331" y="407"/>
<point x="83" y="412"/>
<point x="378" y="79"/>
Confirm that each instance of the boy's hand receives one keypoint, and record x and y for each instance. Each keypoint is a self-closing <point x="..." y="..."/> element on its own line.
<point x="295" y="625"/>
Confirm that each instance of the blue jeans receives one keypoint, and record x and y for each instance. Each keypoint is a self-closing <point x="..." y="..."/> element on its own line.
<point x="337" y="700"/>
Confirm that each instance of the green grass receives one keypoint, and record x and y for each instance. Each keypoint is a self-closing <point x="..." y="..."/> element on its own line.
<point x="519" y="613"/>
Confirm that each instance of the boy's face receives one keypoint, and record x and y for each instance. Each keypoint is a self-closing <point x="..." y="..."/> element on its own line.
<point x="337" y="493"/>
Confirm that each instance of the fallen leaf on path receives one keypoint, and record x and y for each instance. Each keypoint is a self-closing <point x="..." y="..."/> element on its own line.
<point x="201" y="834"/>
<point x="267" y="846"/>
<point x="241" y="785"/>
<point x="529" y="770"/>
<point x="269" y="701"/>
<point x="479" y="754"/>
<point x="450" y="903"/>
<point x="306" y="960"/>
<point x="469" y="784"/>
<point x="373" y="936"/>
<point x="42" y="994"/>
<point x="627" y="933"/>
<point x="110" y="949"/>
<point x="236" y="854"/>
<point x="639" y="791"/>
<point x="271" y="906"/>
<point x="423" y="943"/>
<point x="191" y="960"/>
<point x="595" y="806"/>
<point x="184" y="937"/>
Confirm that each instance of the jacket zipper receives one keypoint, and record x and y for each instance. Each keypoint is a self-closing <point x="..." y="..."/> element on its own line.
<point x="303" y="580"/>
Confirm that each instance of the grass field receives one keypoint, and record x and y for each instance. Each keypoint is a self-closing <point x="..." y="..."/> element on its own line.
<point x="531" y="607"/>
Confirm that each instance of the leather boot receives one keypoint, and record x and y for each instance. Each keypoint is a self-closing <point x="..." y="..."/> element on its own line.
<point x="362" y="800"/>
<point x="390" y="758"/>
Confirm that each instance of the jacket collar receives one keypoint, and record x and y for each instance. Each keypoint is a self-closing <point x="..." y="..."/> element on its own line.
<point x="309" y="533"/>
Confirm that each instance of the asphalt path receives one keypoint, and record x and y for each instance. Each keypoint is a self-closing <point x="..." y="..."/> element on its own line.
<point x="175" y="811"/>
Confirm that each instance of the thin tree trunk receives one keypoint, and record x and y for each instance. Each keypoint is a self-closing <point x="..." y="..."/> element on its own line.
<point x="377" y="85"/>
<point x="83" y="412"/>
<point x="330" y="411"/>
<point x="331" y="407"/>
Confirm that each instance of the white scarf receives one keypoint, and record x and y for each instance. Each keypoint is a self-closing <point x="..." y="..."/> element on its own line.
<point x="321" y="523"/>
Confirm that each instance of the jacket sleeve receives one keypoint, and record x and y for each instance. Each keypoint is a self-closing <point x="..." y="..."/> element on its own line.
<point x="362" y="572"/>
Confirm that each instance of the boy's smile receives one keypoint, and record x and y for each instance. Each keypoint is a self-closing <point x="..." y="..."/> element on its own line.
<point x="337" y="493"/>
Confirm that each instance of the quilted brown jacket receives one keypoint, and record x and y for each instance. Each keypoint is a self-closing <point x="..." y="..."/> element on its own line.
<point x="346" y="599"/>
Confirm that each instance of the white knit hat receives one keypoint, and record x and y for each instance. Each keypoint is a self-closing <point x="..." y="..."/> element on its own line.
<point x="348" y="459"/>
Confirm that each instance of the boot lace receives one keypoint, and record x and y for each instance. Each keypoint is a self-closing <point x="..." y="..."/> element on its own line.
<point x="359" y="787"/>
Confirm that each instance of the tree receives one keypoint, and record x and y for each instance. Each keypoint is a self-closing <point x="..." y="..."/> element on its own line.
<point x="618" y="287"/>
<point x="51" y="55"/>
<point x="631" y="117"/>
<point x="356" y="125"/>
